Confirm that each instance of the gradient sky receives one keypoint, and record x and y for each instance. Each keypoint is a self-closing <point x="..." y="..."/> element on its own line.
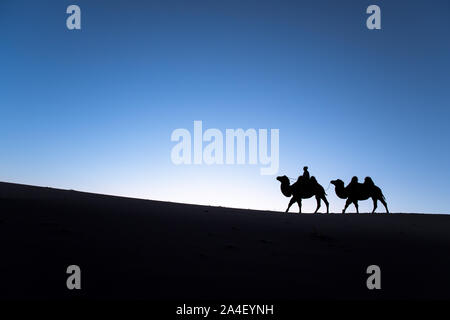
<point x="93" y="110"/>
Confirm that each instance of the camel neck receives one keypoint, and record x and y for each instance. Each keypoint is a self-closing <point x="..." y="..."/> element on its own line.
<point x="286" y="189"/>
<point x="341" y="191"/>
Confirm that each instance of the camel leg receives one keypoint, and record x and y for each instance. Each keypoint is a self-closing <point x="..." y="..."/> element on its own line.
<point x="356" y="205"/>
<point x="326" y="203"/>
<point x="291" y="203"/>
<point x="318" y="204"/>
<point x="384" y="204"/>
<point x="347" y="203"/>
<point x="300" y="205"/>
<point x="375" y="200"/>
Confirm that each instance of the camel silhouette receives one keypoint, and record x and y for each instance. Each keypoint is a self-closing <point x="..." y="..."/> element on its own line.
<point x="303" y="189"/>
<point x="356" y="191"/>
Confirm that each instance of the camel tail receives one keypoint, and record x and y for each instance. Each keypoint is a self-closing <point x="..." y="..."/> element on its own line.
<point x="381" y="194"/>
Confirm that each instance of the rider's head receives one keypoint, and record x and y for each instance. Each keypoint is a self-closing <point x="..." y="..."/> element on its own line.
<point x="305" y="168"/>
<point x="354" y="179"/>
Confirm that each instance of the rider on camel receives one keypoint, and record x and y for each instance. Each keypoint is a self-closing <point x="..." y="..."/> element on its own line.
<point x="305" y="174"/>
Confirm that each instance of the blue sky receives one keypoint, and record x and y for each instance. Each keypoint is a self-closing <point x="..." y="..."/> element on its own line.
<point x="94" y="109"/>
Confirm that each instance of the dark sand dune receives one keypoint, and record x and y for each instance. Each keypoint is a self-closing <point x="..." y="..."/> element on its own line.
<point x="139" y="249"/>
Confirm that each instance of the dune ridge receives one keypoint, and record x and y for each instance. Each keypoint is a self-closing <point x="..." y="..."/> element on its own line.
<point x="143" y="249"/>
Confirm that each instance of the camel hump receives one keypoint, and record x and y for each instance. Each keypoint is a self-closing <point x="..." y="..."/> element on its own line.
<point x="313" y="180"/>
<point x="369" y="181"/>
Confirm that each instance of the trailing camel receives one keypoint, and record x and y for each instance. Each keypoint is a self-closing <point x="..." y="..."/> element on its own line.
<point x="356" y="191"/>
<point x="303" y="189"/>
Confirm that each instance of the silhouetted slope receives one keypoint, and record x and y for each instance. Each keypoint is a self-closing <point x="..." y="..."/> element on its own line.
<point x="139" y="249"/>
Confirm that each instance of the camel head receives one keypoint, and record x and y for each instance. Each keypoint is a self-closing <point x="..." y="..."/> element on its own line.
<point x="337" y="183"/>
<point x="339" y="188"/>
<point x="285" y="185"/>
<point x="283" y="179"/>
